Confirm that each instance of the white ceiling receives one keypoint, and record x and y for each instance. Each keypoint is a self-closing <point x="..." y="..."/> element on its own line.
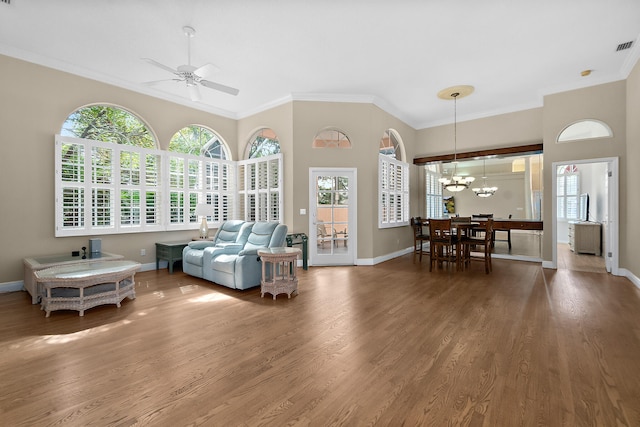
<point x="396" y="54"/>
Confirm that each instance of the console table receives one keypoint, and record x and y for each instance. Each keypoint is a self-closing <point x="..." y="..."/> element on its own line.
<point x="31" y="265"/>
<point x="299" y="239"/>
<point x="279" y="271"/>
<point x="171" y="251"/>
<point x="85" y="285"/>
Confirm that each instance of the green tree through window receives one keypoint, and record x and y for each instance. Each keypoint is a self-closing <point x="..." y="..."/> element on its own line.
<point x="262" y="143"/>
<point x="199" y="141"/>
<point x="108" y="124"/>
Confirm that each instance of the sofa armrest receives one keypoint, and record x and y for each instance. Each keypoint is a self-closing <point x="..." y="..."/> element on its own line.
<point x="252" y="251"/>
<point x="212" y="252"/>
<point x="230" y="246"/>
<point x="201" y="244"/>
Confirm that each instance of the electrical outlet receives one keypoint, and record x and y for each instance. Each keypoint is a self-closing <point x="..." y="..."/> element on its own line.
<point x="143" y="252"/>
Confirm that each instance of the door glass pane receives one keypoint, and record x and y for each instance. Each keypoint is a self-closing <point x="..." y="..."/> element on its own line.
<point x="332" y="214"/>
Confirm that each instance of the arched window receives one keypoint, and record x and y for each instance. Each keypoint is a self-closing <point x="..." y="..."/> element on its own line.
<point x="108" y="123"/>
<point x="391" y="144"/>
<point x="199" y="141"/>
<point x="585" y="129"/>
<point x="106" y="188"/>
<point x="263" y="142"/>
<point x="260" y="178"/>
<point x="331" y="138"/>
<point x="393" y="182"/>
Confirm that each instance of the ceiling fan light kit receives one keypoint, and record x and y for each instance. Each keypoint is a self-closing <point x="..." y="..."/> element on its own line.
<point x="191" y="75"/>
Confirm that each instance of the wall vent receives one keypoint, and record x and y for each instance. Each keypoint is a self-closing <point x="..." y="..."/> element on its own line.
<point x="621" y="46"/>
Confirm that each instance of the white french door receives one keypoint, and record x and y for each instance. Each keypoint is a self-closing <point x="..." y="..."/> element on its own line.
<point x="332" y="216"/>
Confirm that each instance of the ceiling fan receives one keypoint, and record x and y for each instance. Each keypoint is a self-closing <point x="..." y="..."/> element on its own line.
<point x="191" y="75"/>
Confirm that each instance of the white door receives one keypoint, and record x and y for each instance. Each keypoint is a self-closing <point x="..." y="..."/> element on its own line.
<point x="332" y="216"/>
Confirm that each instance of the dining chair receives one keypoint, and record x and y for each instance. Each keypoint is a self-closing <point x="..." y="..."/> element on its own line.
<point x="418" y="237"/>
<point x="460" y="220"/>
<point x="442" y="242"/>
<point x="507" y="230"/>
<point x="470" y="244"/>
<point x="477" y="217"/>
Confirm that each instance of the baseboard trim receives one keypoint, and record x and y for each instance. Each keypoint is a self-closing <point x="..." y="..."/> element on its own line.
<point x="19" y="285"/>
<point x="383" y="258"/>
<point x="12" y="287"/>
<point x="629" y="275"/>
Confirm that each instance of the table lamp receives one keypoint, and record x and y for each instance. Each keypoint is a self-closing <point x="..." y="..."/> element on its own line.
<point x="204" y="210"/>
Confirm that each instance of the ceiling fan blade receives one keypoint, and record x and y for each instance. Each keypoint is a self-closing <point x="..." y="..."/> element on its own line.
<point x="218" y="86"/>
<point x="159" y="65"/>
<point x="155" y="82"/>
<point x="194" y="93"/>
<point x="206" y="71"/>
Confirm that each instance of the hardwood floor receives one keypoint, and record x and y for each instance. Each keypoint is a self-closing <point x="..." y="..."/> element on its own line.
<point x="385" y="345"/>
<point x="579" y="262"/>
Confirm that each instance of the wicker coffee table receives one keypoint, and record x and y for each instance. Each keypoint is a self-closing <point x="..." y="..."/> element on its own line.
<point x="82" y="286"/>
<point x="279" y="271"/>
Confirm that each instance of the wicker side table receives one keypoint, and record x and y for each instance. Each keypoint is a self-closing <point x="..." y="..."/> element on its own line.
<point x="85" y="285"/>
<point x="279" y="271"/>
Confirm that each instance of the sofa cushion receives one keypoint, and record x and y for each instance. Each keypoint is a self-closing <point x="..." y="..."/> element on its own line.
<point x="228" y="232"/>
<point x="225" y="263"/>
<point x="260" y="236"/>
<point x="193" y="257"/>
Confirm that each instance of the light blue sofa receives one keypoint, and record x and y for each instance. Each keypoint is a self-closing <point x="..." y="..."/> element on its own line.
<point x="234" y="262"/>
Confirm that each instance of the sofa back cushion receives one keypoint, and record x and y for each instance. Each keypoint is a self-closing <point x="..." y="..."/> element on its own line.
<point x="262" y="235"/>
<point x="228" y="231"/>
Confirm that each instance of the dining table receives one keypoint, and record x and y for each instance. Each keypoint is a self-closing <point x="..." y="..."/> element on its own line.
<point x="460" y="230"/>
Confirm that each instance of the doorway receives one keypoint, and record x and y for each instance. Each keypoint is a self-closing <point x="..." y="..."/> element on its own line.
<point x="599" y="185"/>
<point x="332" y="216"/>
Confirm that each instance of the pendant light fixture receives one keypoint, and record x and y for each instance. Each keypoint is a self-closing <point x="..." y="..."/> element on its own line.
<point x="485" y="191"/>
<point x="456" y="182"/>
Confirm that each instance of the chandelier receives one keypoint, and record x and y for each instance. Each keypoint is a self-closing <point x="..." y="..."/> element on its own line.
<point x="485" y="191"/>
<point x="456" y="182"/>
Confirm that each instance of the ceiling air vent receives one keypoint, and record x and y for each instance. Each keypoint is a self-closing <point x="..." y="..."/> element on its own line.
<point x="621" y="46"/>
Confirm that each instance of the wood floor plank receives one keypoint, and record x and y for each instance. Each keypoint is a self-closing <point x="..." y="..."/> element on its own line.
<point x="391" y="344"/>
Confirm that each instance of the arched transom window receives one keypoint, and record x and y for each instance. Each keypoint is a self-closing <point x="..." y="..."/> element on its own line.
<point x="199" y="141"/>
<point x="108" y="123"/>
<point x="585" y="129"/>
<point x="262" y="143"/>
<point x="391" y="145"/>
<point x="331" y="138"/>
